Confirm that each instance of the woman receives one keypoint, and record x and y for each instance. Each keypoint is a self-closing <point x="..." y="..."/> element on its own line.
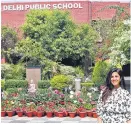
<point x="114" y="103"/>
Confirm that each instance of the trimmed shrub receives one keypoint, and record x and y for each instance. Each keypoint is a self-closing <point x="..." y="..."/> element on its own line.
<point x="42" y="84"/>
<point x="87" y="84"/>
<point x="16" y="83"/>
<point x="100" y="72"/>
<point x="3" y="84"/>
<point x="59" y="82"/>
<point x="12" y="90"/>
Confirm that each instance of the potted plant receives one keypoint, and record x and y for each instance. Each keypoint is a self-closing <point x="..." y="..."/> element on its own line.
<point x="10" y="108"/>
<point x="19" y="109"/>
<point x="30" y="107"/>
<point x="94" y="114"/>
<point x="40" y="110"/>
<point x="61" y="111"/>
<point x="3" y="108"/>
<point x="88" y="106"/>
<point x="72" y="110"/>
<point x="82" y="112"/>
<point x="49" y="111"/>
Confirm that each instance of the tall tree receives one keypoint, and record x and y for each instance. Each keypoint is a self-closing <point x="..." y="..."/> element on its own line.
<point x="59" y="36"/>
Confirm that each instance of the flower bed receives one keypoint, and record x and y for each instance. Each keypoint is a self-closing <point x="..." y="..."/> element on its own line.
<point x="52" y="103"/>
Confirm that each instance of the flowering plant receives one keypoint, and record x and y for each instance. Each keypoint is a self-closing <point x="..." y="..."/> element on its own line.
<point x="71" y="107"/>
<point x="30" y="106"/>
<point x="40" y="108"/>
<point x="10" y="105"/>
<point x="3" y="105"/>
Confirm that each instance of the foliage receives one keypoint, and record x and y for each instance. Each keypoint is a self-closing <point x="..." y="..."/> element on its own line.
<point x="30" y="52"/>
<point x="59" y="81"/>
<point x="12" y="90"/>
<point x="100" y="72"/>
<point x="12" y="83"/>
<point x="10" y="105"/>
<point x="2" y="84"/>
<point x="58" y="36"/>
<point x="8" y="38"/>
<point x="11" y="71"/>
<point x="88" y="106"/>
<point x="67" y="70"/>
<point x="79" y="72"/>
<point x="30" y="106"/>
<point x="87" y="84"/>
<point x="43" y="84"/>
<point x="107" y="31"/>
<point x="120" y="49"/>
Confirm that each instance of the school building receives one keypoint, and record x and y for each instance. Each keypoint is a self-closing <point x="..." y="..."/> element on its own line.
<point x="13" y="12"/>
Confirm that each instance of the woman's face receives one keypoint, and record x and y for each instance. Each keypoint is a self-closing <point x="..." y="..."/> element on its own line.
<point x="115" y="79"/>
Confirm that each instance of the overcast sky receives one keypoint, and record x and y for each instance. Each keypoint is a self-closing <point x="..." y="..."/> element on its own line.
<point x="61" y="0"/>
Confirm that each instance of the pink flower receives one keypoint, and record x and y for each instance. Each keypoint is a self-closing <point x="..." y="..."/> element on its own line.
<point x="56" y="91"/>
<point x="80" y="100"/>
<point x="78" y="93"/>
<point x="62" y="95"/>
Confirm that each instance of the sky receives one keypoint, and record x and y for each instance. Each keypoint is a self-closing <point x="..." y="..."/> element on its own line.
<point x="61" y="0"/>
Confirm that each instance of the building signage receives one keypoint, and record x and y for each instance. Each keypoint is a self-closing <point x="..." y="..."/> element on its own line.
<point x="21" y="7"/>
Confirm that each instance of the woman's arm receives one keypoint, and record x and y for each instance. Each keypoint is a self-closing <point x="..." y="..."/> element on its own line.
<point x="129" y="121"/>
<point x="99" y="120"/>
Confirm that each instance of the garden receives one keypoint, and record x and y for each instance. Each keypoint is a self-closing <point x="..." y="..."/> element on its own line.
<point x="49" y="103"/>
<point x="64" y="51"/>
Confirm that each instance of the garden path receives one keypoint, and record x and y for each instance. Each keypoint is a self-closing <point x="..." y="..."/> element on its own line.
<point x="24" y="119"/>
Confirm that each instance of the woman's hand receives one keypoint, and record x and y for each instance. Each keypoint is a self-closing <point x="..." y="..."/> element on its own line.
<point x="99" y="120"/>
<point x="129" y="121"/>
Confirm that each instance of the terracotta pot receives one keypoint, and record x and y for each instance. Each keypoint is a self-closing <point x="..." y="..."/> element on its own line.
<point x="3" y="113"/>
<point x="89" y="113"/>
<point x="10" y="113"/>
<point x="65" y="113"/>
<point x="82" y="114"/>
<point x="60" y="114"/>
<point x="40" y="113"/>
<point x="34" y="113"/>
<point x="56" y="113"/>
<point x="29" y="114"/>
<point x="94" y="115"/>
<point x="24" y="112"/>
<point x="20" y="113"/>
<point x="49" y="114"/>
<point x="72" y="114"/>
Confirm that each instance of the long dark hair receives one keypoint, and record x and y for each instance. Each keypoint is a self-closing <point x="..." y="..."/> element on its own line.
<point x="107" y="91"/>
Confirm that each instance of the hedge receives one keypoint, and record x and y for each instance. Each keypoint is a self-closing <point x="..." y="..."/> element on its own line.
<point x="43" y="84"/>
<point x="16" y="83"/>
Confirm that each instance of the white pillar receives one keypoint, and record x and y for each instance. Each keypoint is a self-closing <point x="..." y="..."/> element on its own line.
<point x="77" y="84"/>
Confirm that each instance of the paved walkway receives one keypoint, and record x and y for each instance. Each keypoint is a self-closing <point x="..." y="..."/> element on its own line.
<point x="24" y="119"/>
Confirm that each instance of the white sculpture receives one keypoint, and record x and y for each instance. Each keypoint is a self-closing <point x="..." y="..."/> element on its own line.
<point x="31" y="88"/>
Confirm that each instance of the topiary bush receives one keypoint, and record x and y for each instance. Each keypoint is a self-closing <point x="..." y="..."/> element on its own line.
<point x="3" y="84"/>
<point x="100" y="73"/>
<point x="43" y="84"/>
<point x="12" y="90"/>
<point x="86" y="85"/>
<point x="16" y="83"/>
<point x="59" y="82"/>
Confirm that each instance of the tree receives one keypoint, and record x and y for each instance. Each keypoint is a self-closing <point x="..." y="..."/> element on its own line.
<point x="120" y="49"/>
<point x="106" y="29"/>
<point x="31" y="52"/>
<point x="8" y="39"/>
<point x="59" y="36"/>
